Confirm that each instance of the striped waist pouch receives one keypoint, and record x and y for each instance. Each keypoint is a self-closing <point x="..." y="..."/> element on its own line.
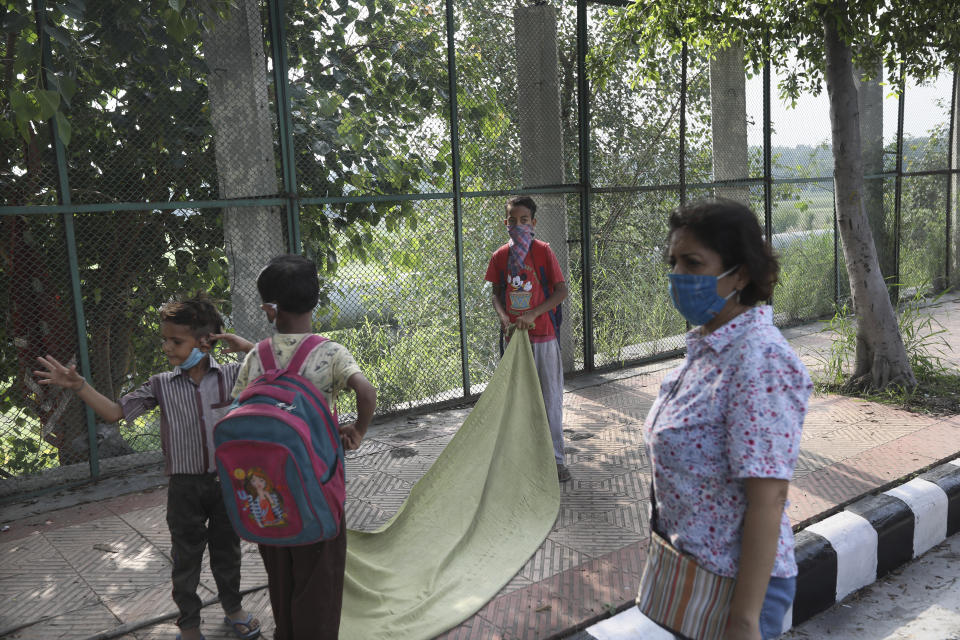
<point x="680" y="595"/>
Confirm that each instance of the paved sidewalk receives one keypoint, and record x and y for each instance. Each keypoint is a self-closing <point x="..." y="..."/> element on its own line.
<point x="104" y="566"/>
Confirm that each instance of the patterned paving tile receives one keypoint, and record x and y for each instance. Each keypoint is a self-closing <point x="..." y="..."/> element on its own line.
<point x="78" y="623"/>
<point x="551" y="558"/>
<point x="592" y="540"/>
<point x="363" y="516"/>
<point x="37" y="582"/>
<point x="135" y="566"/>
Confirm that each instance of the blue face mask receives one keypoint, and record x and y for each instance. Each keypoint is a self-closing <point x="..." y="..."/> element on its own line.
<point x="195" y="356"/>
<point x="696" y="297"/>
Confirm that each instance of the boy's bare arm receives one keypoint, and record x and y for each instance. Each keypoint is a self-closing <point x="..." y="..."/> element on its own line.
<point x="353" y="433"/>
<point x="235" y="343"/>
<point x="498" y="305"/>
<point x="68" y="378"/>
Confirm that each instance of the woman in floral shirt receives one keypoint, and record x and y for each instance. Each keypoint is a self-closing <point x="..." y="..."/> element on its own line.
<point x="727" y="430"/>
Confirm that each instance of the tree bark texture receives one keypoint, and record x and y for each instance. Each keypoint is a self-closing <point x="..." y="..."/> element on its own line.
<point x="881" y="358"/>
<point x="246" y="167"/>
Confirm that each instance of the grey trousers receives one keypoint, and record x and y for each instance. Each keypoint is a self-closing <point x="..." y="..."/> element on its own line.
<point x="550" y="371"/>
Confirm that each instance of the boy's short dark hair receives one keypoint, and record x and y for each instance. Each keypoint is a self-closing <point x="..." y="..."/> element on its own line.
<point x="197" y="312"/>
<point x="522" y="201"/>
<point x="732" y="230"/>
<point x="291" y="282"/>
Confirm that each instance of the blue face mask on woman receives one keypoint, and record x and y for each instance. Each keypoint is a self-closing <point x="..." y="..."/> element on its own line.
<point x="696" y="297"/>
<point x="195" y="356"/>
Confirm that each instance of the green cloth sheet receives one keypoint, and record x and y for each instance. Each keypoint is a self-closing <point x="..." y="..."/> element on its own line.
<point x="469" y="525"/>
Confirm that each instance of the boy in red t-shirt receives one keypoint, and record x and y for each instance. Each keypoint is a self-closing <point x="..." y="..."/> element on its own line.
<point x="527" y="288"/>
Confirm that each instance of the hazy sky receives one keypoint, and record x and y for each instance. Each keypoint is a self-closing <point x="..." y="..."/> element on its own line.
<point x="808" y="122"/>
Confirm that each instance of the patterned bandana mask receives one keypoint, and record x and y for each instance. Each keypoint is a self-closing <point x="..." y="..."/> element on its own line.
<point x="522" y="237"/>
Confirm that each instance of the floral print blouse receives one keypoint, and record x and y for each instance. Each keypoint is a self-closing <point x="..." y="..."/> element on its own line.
<point x="733" y="410"/>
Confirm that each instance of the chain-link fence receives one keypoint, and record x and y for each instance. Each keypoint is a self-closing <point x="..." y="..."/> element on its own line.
<point x="172" y="147"/>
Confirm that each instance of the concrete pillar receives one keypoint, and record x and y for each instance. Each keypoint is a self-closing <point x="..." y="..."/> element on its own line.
<point x="870" y="100"/>
<point x="243" y="142"/>
<point x="728" y="108"/>
<point x="541" y="136"/>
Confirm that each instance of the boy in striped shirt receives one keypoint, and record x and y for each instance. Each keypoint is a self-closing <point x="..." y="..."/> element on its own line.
<point x="192" y="397"/>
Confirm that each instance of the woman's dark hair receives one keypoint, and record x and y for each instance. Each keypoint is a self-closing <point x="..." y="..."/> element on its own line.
<point x="291" y="282"/>
<point x="197" y="312"/>
<point x="731" y="229"/>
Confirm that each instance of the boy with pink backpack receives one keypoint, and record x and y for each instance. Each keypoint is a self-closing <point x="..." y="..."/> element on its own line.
<point x="278" y="381"/>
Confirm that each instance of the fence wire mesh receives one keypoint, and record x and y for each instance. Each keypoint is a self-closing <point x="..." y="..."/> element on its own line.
<point x="198" y="140"/>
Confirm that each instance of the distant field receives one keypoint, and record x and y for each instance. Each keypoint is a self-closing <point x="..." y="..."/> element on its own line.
<point x="810" y="211"/>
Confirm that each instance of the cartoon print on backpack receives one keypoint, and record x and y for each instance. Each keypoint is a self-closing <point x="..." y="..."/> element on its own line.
<point x="264" y="504"/>
<point x="520" y="292"/>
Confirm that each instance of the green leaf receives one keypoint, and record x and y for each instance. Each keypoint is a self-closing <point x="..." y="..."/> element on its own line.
<point x="57" y="34"/>
<point x="176" y="5"/>
<point x="71" y="10"/>
<point x="68" y="87"/>
<point x="48" y="101"/>
<point x="64" y="130"/>
<point x="6" y="130"/>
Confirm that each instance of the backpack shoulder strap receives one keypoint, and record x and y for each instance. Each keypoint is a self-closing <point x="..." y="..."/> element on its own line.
<point x="307" y="345"/>
<point x="265" y="351"/>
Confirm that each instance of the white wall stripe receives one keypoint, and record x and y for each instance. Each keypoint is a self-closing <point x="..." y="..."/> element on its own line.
<point x="929" y="504"/>
<point x="855" y="541"/>
<point x="629" y="625"/>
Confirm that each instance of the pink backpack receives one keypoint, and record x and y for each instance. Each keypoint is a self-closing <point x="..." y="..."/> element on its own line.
<point x="280" y="457"/>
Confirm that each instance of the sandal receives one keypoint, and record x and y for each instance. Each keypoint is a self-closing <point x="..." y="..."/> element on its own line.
<point x="244" y="629"/>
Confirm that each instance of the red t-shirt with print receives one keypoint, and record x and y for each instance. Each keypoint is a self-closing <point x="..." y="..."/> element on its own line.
<point x="524" y="292"/>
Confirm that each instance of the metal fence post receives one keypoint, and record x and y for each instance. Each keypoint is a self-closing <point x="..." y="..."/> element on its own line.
<point x="288" y="163"/>
<point x="63" y="193"/>
<point x="457" y="203"/>
<point x="683" y="125"/>
<point x="586" y="236"/>
<point x="768" y="153"/>
<point x="898" y="189"/>
<point x="950" y="177"/>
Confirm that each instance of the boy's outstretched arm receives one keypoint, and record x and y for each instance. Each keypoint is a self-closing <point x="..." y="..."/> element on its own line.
<point x="235" y="343"/>
<point x="68" y="378"/>
<point x="351" y="434"/>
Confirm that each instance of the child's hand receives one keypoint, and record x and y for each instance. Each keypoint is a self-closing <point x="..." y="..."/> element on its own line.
<point x="526" y="321"/>
<point x="505" y="321"/>
<point x="235" y="343"/>
<point x="350" y="436"/>
<point x="58" y="374"/>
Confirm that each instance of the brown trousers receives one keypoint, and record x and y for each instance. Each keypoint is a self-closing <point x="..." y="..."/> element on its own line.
<point x="306" y="588"/>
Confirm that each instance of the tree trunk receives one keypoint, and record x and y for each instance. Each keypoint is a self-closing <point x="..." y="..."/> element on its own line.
<point x="881" y="359"/>
<point x="243" y="139"/>
<point x="728" y="117"/>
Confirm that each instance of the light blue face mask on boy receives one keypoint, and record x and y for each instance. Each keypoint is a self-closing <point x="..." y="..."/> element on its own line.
<point x="195" y="356"/>
<point x="696" y="297"/>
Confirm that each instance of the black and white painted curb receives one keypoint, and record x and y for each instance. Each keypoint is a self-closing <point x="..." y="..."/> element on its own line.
<point x="845" y="552"/>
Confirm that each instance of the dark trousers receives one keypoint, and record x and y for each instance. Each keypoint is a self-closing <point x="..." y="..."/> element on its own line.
<point x="197" y="517"/>
<point x="306" y="588"/>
